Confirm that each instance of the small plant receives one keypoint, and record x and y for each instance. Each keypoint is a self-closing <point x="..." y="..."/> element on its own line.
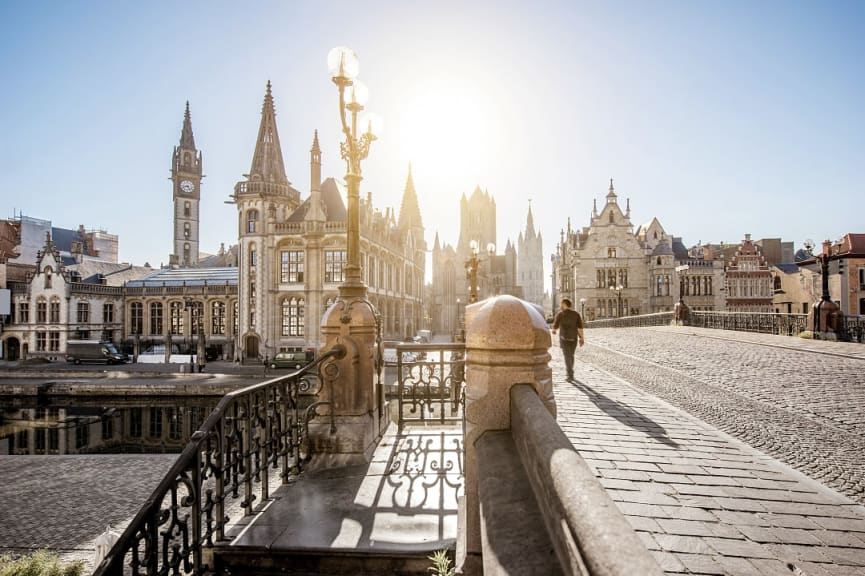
<point x="441" y="564"/>
<point x="40" y="563"/>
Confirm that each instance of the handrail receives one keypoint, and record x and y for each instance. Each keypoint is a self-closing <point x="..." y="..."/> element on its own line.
<point x="588" y="532"/>
<point x="251" y="430"/>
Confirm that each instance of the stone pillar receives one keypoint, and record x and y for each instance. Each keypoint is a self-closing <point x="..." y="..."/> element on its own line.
<point x="353" y="323"/>
<point x="507" y="343"/>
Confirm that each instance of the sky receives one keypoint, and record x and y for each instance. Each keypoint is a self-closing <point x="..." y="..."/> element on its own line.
<point x="718" y="118"/>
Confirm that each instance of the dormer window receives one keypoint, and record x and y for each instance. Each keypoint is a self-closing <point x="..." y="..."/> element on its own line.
<point x="48" y="273"/>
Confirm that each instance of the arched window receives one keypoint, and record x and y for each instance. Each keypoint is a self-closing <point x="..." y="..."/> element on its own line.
<point x="48" y="273"/>
<point x="186" y="230"/>
<point x="292" y="317"/>
<point x="136" y="318"/>
<point x="156" y="318"/>
<point x="251" y="219"/>
<point x="54" y="311"/>
<point x="217" y="318"/>
<point x="187" y="209"/>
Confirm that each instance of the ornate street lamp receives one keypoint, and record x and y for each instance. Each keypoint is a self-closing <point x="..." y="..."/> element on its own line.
<point x="344" y="67"/>
<point x="472" y="268"/>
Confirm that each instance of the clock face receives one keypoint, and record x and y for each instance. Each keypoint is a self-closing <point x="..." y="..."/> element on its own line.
<point x="187" y="186"/>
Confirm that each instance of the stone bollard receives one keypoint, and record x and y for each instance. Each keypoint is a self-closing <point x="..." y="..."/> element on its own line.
<point x="507" y="343"/>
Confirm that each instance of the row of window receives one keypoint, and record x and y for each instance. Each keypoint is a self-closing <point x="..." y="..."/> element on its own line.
<point x="178" y="315"/>
<point x="49" y="312"/>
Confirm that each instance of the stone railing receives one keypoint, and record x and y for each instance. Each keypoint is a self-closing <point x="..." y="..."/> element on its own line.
<point x="656" y="319"/>
<point x="551" y="515"/>
<point x="254" y="437"/>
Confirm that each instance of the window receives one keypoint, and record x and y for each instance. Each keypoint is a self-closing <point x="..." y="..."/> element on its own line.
<point x="83" y="316"/>
<point x="292" y="317"/>
<point x="48" y="277"/>
<point x="334" y="265"/>
<point x="54" y="311"/>
<point x="253" y="256"/>
<point x="611" y="252"/>
<point x="196" y="317"/>
<point x="175" y="423"/>
<point x="186" y="230"/>
<point x="187" y="210"/>
<point x="136" y="318"/>
<point x="136" y="422"/>
<point x="251" y="218"/>
<point x="291" y="266"/>
<point x="40" y="341"/>
<point x="156" y="318"/>
<point x="82" y="435"/>
<point x="217" y="318"/>
<point x="108" y="312"/>
<point x="41" y="311"/>
<point x="23" y="312"/>
<point x="155" y="422"/>
<point x="176" y="319"/>
<point x="54" y="341"/>
<point x="186" y="253"/>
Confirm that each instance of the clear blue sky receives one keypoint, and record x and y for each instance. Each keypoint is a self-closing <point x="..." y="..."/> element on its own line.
<point x="718" y="118"/>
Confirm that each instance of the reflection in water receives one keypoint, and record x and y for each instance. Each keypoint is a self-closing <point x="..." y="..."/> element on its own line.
<point x="144" y="426"/>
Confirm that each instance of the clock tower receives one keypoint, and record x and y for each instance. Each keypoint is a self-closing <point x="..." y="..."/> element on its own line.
<point x="186" y="188"/>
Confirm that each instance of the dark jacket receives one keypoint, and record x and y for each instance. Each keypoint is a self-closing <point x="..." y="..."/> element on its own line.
<point x="568" y="323"/>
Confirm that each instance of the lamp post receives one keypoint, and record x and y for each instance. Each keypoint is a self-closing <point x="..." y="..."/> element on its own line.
<point x="472" y="268"/>
<point x="344" y="66"/>
<point x="618" y="290"/>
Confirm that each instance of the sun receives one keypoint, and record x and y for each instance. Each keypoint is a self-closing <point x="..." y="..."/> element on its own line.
<point x="449" y="129"/>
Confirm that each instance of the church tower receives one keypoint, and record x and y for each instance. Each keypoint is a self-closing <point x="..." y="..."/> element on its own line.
<point x="186" y="188"/>
<point x="530" y="262"/>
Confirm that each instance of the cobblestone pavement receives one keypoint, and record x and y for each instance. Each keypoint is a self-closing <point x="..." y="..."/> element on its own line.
<point x="783" y="395"/>
<point x="701" y="500"/>
<point x="63" y="503"/>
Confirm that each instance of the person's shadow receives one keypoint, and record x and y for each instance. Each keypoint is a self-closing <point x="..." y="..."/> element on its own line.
<point x="626" y="415"/>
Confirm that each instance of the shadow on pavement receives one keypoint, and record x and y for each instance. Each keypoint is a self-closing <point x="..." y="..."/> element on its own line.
<point x="626" y="415"/>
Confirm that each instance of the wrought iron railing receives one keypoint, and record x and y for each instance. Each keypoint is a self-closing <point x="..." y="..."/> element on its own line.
<point x="656" y="319"/>
<point x="764" y="322"/>
<point x="223" y="472"/>
<point x="430" y="382"/>
<point x="853" y="329"/>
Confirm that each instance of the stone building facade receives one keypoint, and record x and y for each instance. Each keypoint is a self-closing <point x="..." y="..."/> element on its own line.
<point x="607" y="270"/>
<point x="749" y="281"/>
<point x="292" y="253"/>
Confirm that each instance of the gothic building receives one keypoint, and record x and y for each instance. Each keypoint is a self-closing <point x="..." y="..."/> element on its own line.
<point x="530" y="262"/>
<point x="292" y="253"/>
<point x="749" y="280"/>
<point x="496" y="273"/>
<point x="607" y="270"/>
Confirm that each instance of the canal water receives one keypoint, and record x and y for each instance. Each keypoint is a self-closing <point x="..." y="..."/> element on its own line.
<point x="126" y="425"/>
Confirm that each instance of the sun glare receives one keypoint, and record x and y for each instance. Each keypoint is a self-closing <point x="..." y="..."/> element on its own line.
<point x="449" y="130"/>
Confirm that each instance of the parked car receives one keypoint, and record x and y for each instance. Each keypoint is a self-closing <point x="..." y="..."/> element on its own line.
<point x="78" y="351"/>
<point x="289" y="360"/>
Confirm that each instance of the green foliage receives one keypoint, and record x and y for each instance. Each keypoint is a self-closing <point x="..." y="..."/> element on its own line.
<point x="806" y="335"/>
<point x="40" y="563"/>
<point x="441" y="564"/>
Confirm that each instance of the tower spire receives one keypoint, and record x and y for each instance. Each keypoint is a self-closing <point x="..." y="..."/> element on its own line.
<point x="187" y="140"/>
<point x="409" y="211"/>
<point x="267" y="163"/>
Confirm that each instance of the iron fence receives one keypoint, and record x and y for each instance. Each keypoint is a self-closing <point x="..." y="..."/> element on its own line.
<point x="764" y="322"/>
<point x="430" y="382"/>
<point x="656" y="319"/>
<point x="223" y="471"/>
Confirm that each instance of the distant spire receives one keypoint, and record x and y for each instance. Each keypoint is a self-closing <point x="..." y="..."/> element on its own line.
<point x="409" y="211"/>
<point x="267" y="161"/>
<point x="315" y="212"/>
<point x="187" y="140"/>
<point x="436" y="244"/>
<point x="611" y="195"/>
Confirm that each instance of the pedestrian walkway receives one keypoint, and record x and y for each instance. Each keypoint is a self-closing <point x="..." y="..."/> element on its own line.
<point x="702" y="501"/>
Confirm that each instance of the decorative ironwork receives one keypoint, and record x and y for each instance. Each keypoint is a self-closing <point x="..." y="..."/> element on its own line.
<point x="224" y="471"/>
<point x="430" y="383"/>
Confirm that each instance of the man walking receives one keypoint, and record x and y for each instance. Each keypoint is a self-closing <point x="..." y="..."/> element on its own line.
<point x="570" y="324"/>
